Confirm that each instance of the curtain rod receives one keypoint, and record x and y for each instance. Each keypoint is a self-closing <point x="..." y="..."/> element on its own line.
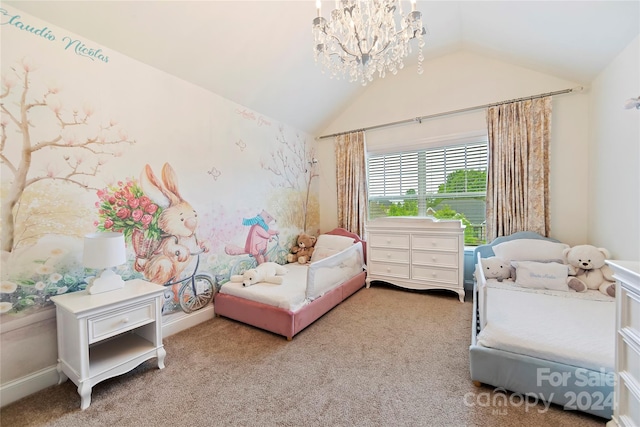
<point x="462" y="110"/>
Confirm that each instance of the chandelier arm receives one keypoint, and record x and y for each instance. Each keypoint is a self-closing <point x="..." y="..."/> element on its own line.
<point x="344" y="48"/>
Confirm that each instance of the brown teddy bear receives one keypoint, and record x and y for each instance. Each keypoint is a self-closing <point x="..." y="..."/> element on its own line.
<point x="303" y="249"/>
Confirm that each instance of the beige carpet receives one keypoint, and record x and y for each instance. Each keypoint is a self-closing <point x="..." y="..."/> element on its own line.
<point x="384" y="357"/>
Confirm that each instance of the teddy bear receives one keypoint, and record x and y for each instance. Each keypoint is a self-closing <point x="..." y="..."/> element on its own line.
<point x="587" y="269"/>
<point x="269" y="272"/>
<point x="496" y="268"/>
<point x="303" y="249"/>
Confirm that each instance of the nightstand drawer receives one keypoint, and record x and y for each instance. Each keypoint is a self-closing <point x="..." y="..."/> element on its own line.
<point x="444" y="243"/>
<point x="389" y="240"/>
<point x="393" y="255"/>
<point x="106" y="326"/>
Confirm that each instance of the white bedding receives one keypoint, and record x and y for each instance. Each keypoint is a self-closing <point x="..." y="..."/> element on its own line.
<point x="290" y="295"/>
<point x="576" y="329"/>
<point x="303" y="283"/>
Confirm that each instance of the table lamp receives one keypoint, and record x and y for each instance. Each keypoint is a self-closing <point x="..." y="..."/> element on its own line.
<point x="104" y="251"/>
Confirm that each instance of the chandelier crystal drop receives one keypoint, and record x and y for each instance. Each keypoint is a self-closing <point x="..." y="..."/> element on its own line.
<point x="364" y="37"/>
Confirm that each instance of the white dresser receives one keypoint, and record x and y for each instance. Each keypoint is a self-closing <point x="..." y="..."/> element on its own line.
<point x="626" y="410"/>
<point x="416" y="253"/>
<point x="108" y="334"/>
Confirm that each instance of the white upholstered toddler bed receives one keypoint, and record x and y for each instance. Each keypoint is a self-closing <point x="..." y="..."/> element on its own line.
<point x="554" y="344"/>
<point x="307" y="291"/>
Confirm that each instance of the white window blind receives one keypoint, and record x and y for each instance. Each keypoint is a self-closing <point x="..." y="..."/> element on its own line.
<point x="425" y="172"/>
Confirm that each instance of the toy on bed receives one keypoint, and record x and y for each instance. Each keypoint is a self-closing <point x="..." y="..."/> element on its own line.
<point x="496" y="268"/>
<point x="302" y="251"/>
<point x="269" y="272"/>
<point x="588" y="270"/>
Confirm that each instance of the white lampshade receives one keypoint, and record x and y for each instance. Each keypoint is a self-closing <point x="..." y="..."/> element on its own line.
<point x="104" y="250"/>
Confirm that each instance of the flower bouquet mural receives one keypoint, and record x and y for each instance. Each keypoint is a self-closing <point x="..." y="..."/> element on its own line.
<point x="124" y="208"/>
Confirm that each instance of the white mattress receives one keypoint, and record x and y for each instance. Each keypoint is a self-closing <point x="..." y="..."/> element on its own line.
<point x="578" y="331"/>
<point x="290" y="295"/>
<point x="303" y="282"/>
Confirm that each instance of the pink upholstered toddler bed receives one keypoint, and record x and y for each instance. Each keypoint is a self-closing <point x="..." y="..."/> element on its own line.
<point x="268" y="308"/>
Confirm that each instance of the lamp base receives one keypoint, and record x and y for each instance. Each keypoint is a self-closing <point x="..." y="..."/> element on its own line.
<point x="108" y="281"/>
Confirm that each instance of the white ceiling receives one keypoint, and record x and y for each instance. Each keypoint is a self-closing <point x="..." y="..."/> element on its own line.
<point x="259" y="53"/>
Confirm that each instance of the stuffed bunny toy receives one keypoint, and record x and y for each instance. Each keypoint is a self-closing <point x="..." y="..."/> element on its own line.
<point x="178" y="222"/>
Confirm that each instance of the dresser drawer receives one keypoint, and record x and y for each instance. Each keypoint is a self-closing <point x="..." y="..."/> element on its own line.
<point x="629" y="404"/>
<point x="383" y="240"/>
<point x="433" y="274"/>
<point x="120" y="321"/>
<point x="629" y="359"/>
<point x="389" y="254"/>
<point x="630" y="311"/>
<point x="400" y="271"/>
<point x="443" y="259"/>
<point x="443" y="243"/>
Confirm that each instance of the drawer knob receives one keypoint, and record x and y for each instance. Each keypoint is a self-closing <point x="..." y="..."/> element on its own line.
<point x="434" y="258"/>
<point x="388" y="255"/>
<point x="388" y="270"/>
<point x="434" y="275"/>
<point x="125" y="320"/>
<point x="388" y="240"/>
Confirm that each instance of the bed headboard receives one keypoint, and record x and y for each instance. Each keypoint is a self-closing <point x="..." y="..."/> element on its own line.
<point x="344" y="232"/>
<point x="486" y="251"/>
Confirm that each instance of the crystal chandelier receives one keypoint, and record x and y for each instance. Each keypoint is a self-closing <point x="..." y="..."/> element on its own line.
<point x="362" y="38"/>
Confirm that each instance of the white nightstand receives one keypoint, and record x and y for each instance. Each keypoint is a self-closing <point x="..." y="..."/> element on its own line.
<point x="104" y="335"/>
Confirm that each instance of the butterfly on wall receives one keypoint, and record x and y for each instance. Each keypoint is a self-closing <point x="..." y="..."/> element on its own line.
<point x="215" y="173"/>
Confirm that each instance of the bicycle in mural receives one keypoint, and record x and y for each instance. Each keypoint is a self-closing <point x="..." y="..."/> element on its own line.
<point x="195" y="291"/>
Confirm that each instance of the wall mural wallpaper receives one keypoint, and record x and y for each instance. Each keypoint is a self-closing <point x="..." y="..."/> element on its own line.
<point x="91" y="140"/>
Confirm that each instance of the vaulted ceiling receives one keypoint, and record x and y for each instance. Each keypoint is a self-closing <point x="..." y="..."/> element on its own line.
<point x="259" y="53"/>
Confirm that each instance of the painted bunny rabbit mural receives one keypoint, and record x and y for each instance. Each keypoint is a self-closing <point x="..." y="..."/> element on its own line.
<point x="178" y="222"/>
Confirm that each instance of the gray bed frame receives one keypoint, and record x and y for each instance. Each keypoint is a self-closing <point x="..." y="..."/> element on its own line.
<point x="572" y="387"/>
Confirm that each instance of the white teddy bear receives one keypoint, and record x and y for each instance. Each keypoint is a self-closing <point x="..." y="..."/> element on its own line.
<point x="587" y="269"/>
<point x="269" y="272"/>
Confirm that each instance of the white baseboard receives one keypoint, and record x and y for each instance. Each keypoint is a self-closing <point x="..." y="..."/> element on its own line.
<point x="47" y="377"/>
<point x="22" y="387"/>
<point x="172" y="325"/>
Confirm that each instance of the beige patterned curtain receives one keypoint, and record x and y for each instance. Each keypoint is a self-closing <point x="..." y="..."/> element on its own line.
<point x="351" y="177"/>
<point x="518" y="181"/>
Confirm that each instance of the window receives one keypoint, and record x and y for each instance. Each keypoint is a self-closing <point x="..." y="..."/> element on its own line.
<point x="444" y="182"/>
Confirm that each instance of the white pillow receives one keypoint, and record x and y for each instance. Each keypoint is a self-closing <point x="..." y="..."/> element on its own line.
<point x="530" y="250"/>
<point x="541" y="275"/>
<point x="329" y="244"/>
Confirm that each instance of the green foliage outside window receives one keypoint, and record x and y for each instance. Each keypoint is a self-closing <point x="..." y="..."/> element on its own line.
<point x="458" y="182"/>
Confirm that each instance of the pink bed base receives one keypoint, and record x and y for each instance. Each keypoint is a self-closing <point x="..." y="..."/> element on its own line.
<point x="281" y="321"/>
<point x="286" y="322"/>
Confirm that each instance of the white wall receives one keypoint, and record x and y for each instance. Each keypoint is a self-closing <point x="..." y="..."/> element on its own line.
<point x="458" y="81"/>
<point x="614" y="158"/>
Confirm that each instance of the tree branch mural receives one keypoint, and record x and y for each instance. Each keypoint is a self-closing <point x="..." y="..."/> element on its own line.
<point x="68" y="142"/>
<point x="294" y="168"/>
